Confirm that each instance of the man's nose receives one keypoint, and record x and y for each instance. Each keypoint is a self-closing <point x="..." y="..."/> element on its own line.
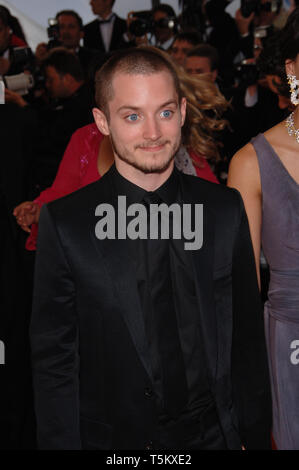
<point x="152" y="129"/>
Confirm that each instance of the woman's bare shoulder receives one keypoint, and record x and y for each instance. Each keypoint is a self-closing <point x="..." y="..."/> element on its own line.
<point x="276" y="135"/>
<point x="245" y="159"/>
<point x="244" y="172"/>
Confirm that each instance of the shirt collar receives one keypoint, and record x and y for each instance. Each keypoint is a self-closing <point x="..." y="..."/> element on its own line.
<point x="109" y="18"/>
<point x="168" y="192"/>
<point x="166" y="45"/>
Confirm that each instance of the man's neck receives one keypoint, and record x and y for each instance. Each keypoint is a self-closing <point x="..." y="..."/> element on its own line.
<point x="74" y="88"/>
<point x="106" y="13"/>
<point x="147" y="181"/>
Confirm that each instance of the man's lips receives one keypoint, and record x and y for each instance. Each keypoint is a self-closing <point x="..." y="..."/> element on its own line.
<point x="152" y="147"/>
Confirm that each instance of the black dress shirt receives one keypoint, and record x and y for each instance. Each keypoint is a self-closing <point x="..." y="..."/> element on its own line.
<point x="199" y="398"/>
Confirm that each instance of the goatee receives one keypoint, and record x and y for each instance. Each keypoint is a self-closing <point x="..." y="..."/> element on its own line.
<point x="145" y="168"/>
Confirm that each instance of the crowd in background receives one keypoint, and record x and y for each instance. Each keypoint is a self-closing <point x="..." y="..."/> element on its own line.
<point x="49" y="94"/>
<point x="57" y="88"/>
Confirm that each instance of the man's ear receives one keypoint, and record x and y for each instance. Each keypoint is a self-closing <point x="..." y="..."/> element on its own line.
<point x="101" y="121"/>
<point x="183" y="108"/>
<point x="290" y="67"/>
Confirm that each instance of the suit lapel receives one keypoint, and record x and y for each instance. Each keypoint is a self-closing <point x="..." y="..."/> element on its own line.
<point x="202" y="261"/>
<point x="116" y="37"/>
<point x="98" y="36"/>
<point x="122" y="274"/>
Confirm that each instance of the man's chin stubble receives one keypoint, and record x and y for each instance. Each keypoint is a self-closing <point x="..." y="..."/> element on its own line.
<point x="144" y="168"/>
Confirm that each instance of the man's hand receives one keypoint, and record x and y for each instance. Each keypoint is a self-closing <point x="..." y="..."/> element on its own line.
<point x="4" y="66"/>
<point x="242" y="22"/>
<point x="13" y="97"/>
<point x="41" y="52"/>
<point x="27" y="214"/>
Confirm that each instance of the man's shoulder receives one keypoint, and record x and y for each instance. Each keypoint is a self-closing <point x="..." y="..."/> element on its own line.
<point x="206" y="191"/>
<point x="91" y="26"/>
<point x="81" y="203"/>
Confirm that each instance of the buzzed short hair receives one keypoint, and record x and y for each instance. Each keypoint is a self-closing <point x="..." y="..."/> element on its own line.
<point x="145" y="60"/>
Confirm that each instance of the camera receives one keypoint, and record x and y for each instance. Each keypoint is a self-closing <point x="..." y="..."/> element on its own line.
<point x="144" y="23"/>
<point x="21" y="58"/>
<point x="53" y="33"/>
<point x="20" y="83"/>
<point x="247" y="72"/>
<point x="255" y="6"/>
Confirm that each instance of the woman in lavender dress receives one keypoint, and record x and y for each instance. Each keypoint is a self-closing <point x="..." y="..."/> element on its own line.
<point x="266" y="172"/>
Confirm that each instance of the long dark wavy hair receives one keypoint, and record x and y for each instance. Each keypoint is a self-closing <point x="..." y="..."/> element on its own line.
<point x="289" y="47"/>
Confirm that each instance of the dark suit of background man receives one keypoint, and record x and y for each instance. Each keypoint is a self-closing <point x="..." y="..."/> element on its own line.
<point x="106" y="32"/>
<point x="141" y="344"/>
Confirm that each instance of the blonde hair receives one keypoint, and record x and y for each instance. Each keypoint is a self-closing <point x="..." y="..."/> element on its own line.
<point x="205" y="106"/>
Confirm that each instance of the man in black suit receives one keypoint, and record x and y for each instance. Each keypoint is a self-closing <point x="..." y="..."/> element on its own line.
<point x="70" y="34"/>
<point x="142" y="341"/>
<point x="107" y="31"/>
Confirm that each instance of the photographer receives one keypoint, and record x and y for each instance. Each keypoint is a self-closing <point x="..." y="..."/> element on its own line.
<point x="255" y="15"/>
<point x="164" y="16"/>
<point x="257" y="103"/>
<point x="67" y="31"/>
<point x="69" y="108"/>
<point x="15" y="56"/>
<point x="157" y="27"/>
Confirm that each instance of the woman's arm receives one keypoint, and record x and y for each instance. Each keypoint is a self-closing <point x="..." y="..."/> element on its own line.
<point x="244" y="175"/>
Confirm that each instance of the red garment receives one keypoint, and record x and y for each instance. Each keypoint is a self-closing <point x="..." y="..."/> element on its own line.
<point x="15" y="41"/>
<point x="79" y="167"/>
<point x="204" y="170"/>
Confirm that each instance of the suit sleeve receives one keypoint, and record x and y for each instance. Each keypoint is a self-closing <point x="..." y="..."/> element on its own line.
<point x="250" y="376"/>
<point x="54" y="343"/>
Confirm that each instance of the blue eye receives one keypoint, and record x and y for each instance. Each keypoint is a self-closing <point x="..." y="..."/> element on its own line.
<point x="132" y="117"/>
<point x="166" y="114"/>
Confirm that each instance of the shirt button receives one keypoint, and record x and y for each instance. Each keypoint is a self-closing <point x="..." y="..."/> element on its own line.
<point x="148" y="392"/>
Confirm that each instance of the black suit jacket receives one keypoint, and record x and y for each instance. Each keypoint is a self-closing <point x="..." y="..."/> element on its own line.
<point x="91" y="361"/>
<point x="16" y="271"/>
<point x="93" y="38"/>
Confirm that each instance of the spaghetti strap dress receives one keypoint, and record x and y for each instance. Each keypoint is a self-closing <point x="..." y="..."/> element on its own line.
<point x="280" y="244"/>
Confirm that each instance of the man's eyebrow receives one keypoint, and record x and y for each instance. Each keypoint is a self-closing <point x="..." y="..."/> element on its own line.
<point x="136" y="108"/>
